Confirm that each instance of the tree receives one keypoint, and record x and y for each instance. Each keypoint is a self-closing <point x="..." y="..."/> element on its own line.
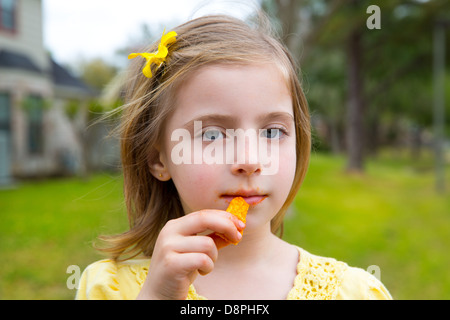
<point x="96" y="72"/>
<point x="387" y="70"/>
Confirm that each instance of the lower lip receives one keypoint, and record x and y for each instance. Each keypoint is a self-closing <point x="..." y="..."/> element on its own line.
<point x="252" y="200"/>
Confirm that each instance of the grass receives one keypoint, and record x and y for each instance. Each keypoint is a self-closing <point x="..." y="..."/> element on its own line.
<point x="47" y="226"/>
<point x="390" y="217"/>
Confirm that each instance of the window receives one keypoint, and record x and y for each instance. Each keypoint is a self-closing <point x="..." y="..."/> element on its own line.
<point x="8" y="15"/>
<point x="35" y="108"/>
<point x="5" y="140"/>
<point x="5" y="111"/>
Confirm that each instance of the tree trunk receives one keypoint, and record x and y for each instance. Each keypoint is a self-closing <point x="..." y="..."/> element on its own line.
<point x="355" y="106"/>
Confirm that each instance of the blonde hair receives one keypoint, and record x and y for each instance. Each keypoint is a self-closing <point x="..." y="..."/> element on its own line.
<point x="149" y="101"/>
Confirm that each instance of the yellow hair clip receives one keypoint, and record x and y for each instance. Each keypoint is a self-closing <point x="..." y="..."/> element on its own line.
<point x="157" y="57"/>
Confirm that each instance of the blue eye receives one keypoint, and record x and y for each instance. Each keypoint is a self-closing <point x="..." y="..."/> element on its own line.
<point x="272" y="133"/>
<point x="212" y="134"/>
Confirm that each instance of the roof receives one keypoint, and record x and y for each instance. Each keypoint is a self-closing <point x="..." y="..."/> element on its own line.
<point x="59" y="75"/>
<point x="62" y="77"/>
<point x="9" y="59"/>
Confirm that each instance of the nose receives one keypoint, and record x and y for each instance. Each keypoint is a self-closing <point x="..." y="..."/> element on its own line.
<point x="246" y="169"/>
<point x="246" y="160"/>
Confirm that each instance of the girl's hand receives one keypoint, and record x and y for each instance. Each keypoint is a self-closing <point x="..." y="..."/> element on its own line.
<point x="180" y="254"/>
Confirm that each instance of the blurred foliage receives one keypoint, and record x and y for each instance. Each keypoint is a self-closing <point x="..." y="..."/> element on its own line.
<point x="32" y="103"/>
<point x="72" y="107"/>
<point x="96" y="72"/>
<point x="396" y="68"/>
<point x="98" y="109"/>
<point x="99" y="75"/>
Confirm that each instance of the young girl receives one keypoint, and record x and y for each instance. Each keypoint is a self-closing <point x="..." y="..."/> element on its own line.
<point x="208" y="78"/>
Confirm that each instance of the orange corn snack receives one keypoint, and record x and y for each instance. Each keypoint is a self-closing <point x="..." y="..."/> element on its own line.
<point x="237" y="207"/>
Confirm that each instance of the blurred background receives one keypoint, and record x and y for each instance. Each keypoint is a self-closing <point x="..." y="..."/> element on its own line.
<point x="377" y="79"/>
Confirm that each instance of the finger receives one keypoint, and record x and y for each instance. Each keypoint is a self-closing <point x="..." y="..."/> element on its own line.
<point x="219" y="240"/>
<point x="199" y="244"/>
<point x="215" y="220"/>
<point x="192" y="261"/>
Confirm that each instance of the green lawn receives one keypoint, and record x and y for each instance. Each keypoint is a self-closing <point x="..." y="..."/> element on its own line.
<point x="47" y="226"/>
<point x="390" y="217"/>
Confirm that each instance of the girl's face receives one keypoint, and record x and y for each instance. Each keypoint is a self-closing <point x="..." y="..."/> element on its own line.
<point x="258" y="165"/>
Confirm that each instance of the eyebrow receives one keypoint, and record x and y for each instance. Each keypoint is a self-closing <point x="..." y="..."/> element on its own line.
<point x="230" y="120"/>
<point x="276" y="116"/>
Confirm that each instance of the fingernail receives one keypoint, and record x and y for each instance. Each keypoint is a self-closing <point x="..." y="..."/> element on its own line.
<point x="241" y="224"/>
<point x="239" y="235"/>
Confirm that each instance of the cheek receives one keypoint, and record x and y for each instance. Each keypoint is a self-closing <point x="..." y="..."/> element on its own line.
<point x="199" y="177"/>
<point x="284" y="179"/>
<point x="287" y="164"/>
<point x="196" y="185"/>
<point x="290" y="163"/>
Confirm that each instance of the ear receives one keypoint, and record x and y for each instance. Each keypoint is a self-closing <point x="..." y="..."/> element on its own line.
<point x="157" y="164"/>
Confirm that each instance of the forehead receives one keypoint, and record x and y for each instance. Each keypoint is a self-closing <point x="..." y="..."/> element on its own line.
<point x="243" y="89"/>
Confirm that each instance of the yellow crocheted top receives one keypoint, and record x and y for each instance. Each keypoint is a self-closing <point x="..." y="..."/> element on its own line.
<point x="317" y="278"/>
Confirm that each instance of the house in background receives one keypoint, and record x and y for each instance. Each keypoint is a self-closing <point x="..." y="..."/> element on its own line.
<point x="38" y="136"/>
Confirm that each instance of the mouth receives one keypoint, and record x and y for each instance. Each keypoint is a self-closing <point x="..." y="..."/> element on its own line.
<point x="252" y="197"/>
